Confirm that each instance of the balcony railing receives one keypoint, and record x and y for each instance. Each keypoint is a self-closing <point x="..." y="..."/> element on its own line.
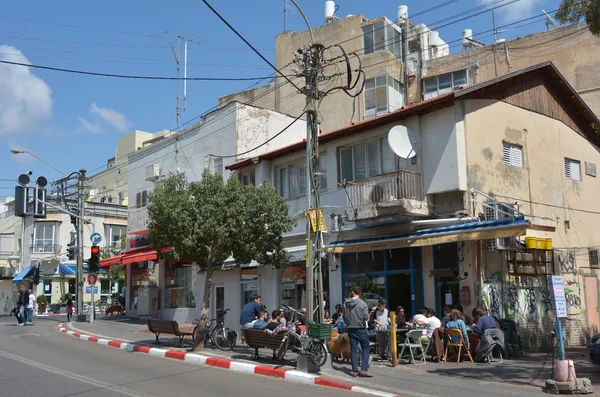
<point x="43" y="247"/>
<point x="384" y="188"/>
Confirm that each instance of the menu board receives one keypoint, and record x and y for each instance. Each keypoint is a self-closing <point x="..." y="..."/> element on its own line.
<point x="557" y="295"/>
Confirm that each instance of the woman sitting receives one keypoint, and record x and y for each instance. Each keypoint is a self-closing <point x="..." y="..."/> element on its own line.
<point x="455" y="322"/>
<point x="484" y="323"/>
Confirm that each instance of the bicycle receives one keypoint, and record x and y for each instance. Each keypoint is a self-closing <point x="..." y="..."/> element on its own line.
<point x="301" y="342"/>
<point x="219" y="335"/>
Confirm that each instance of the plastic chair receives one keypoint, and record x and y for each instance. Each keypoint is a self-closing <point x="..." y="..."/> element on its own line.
<point x="413" y="343"/>
<point x="456" y="346"/>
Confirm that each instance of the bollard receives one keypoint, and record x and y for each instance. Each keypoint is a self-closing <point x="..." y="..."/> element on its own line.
<point x="393" y="344"/>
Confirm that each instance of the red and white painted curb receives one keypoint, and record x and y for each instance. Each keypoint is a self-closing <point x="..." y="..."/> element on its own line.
<point x="248" y="368"/>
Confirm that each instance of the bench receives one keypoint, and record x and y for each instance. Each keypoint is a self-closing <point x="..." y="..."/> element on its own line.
<point x="168" y="327"/>
<point x="258" y="339"/>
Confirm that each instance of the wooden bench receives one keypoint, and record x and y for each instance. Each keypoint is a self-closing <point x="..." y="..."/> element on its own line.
<point x="258" y="339"/>
<point x="168" y="327"/>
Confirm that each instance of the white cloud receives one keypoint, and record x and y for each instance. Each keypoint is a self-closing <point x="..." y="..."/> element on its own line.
<point x="89" y="126"/>
<point x="517" y="11"/>
<point x="104" y="117"/>
<point x="25" y="100"/>
<point x="112" y="117"/>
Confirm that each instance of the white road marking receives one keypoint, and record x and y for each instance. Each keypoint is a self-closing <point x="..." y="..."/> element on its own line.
<point x="26" y="334"/>
<point x="104" y="385"/>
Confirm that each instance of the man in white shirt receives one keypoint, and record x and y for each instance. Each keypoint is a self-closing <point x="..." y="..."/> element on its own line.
<point x="430" y="322"/>
<point x="30" y="307"/>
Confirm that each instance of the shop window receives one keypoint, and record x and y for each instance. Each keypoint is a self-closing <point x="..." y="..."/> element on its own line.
<point x="143" y="274"/>
<point x="416" y="259"/>
<point x="72" y="287"/>
<point x="179" y="286"/>
<point x="104" y="287"/>
<point x="373" y="287"/>
<point x="398" y="259"/>
<point x="363" y="262"/>
<point x="293" y="280"/>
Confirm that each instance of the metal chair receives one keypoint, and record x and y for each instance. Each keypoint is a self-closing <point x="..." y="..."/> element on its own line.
<point x="413" y="343"/>
<point x="456" y="346"/>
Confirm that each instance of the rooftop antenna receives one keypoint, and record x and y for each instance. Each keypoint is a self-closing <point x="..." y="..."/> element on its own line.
<point x="549" y="21"/>
<point x="177" y="55"/>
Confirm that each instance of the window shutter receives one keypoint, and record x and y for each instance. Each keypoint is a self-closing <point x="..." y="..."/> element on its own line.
<point x="516" y="156"/>
<point x="575" y="171"/>
<point x="506" y="153"/>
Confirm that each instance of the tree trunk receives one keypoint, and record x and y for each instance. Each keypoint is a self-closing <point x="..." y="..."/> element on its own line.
<point x="204" y="314"/>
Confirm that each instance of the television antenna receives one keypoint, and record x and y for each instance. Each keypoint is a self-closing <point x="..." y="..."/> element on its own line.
<point x="549" y="21"/>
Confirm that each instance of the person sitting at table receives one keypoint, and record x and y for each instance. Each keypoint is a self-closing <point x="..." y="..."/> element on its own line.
<point x="484" y="322"/>
<point x="327" y="318"/>
<point x="426" y="317"/>
<point x="400" y="317"/>
<point x="475" y="314"/>
<point x="463" y="315"/>
<point x="446" y="317"/>
<point x="455" y="322"/>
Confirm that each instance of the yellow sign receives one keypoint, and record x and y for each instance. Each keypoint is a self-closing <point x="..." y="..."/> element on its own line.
<point x="312" y="214"/>
<point x="308" y="253"/>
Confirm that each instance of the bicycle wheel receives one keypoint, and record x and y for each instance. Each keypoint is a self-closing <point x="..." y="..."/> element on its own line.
<point x="224" y="338"/>
<point x="318" y="353"/>
<point x="283" y="348"/>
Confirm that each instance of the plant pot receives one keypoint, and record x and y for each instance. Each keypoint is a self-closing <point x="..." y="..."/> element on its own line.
<point x="42" y="308"/>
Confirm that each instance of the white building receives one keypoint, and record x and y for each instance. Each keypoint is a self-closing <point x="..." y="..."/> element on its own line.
<point x="231" y="130"/>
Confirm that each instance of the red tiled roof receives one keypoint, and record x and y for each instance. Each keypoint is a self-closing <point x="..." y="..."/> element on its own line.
<point x="356" y="127"/>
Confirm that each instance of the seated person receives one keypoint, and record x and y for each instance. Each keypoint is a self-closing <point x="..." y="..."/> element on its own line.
<point x="463" y="316"/>
<point x="426" y="318"/>
<point x="475" y="314"/>
<point x="446" y="317"/>
<point x="302" y="317"/>
<point x="327" y="318"/>
<point x="284" y="322"/>
<point x="484" y="323"/>
<point x="261" y="323"/>
<point x="400" y="317"/>
<point x="455" y="322"/>
<point x="275" y="319"/>
<point x="341" y="324"/>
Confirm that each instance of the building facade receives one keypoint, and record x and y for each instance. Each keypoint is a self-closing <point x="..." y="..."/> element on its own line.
<point x="492" y="170"/>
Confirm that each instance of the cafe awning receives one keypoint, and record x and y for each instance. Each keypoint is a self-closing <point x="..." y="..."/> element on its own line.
<point x="480" y="230"/>
<point x="148" y="254"/>
<point x="108" y="262"/>
<point x="22" y="274"/>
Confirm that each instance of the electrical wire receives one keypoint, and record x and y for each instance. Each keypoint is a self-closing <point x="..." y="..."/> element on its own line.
<point x="125" y="76"/>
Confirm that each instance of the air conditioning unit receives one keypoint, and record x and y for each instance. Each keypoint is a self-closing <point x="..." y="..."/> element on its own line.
<point x="8" y="271"/>
<point x="372" y="194"/>
<point x="496" y="210"/>
<point x="152" y="172"/>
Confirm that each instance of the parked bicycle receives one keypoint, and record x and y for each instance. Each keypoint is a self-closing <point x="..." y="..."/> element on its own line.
<point x="298" y="342"/>
<point x="219" y="335"/>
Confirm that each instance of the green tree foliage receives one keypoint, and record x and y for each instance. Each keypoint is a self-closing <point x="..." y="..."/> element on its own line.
<point x="572" y="11"/>
<point x="208" y="221"/>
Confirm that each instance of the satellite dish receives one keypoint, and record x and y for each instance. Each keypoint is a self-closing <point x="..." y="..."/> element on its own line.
<point x="401" y="141"/>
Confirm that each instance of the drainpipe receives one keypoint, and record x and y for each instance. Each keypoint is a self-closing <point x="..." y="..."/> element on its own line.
<point x="475" y="72"/>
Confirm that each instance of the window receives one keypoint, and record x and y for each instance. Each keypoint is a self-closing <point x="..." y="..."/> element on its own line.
<point x="291" y="179"/>
<point x="366" y="159"/>
<point x="141" y="199"/>
<point x="6" y="244"/>
<point x="383" y="94"/>
<point x="444" y="83"/>
<point x="179" y="287"/>
<point x="112" y="235"/>
<point x="382" y="36"/>
<point x="512" y="154"/>
<point x="217" y="166"/>
<point x="593" y="254"/>
<point x="572" y="169"/>
<point x="248" y="178"/>
<point x="45" y="237"/>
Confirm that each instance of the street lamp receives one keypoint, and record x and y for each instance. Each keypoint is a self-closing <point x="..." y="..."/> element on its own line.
<point x="19" y="151"/>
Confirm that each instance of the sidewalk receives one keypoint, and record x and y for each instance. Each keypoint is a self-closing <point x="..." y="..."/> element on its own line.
<point x="529" y="371"/>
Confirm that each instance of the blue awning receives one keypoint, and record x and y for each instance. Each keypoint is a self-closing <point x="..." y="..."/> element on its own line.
<point x="480" y="230"/>
<point x="64" y="269"/>
<point x="22" y="274"/>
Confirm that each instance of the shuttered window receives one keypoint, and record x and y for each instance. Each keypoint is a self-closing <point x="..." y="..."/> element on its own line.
<point x="572" y="169"/>
<point x="512" y="154"/>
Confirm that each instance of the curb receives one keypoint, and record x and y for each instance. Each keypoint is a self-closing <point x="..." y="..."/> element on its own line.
<point x="193" y="358"/>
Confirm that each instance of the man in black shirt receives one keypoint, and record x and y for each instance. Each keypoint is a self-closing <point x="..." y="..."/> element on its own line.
<point x="22" y="302"/>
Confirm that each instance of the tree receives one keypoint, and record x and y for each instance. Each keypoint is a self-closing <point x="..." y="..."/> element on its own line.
<point x="208" y="221"/>
<point x="572" y="11"/>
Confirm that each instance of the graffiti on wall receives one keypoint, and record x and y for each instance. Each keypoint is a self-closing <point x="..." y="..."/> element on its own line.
<point x="567" y="261"/>
<point x="6" y="303"/>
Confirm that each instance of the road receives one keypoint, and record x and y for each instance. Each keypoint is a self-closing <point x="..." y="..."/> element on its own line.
<point x="37" y="360"/>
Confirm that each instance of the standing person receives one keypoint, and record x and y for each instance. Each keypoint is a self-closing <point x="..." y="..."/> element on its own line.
<point x="356" y="315"/>
<point x="23" y="302"/>
<point x="30" y="307"/>
<point x="69" y="309"/>
<point x="382" y="324"/>
<point x="250" y="312"/>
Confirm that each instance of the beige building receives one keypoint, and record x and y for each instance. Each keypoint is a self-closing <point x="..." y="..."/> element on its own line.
<point x="110" y="185"/>
<point x="572" y="49"/>
<point x="454" y="223"/>
<point x="378" y="42"/>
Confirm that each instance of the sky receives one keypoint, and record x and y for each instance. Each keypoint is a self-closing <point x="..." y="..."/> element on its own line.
<point x="73" y="121"/>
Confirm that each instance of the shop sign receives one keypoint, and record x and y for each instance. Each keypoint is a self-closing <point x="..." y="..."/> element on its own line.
<point x="557" y="295"/>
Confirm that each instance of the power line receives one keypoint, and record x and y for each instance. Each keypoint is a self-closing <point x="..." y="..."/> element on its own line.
<point x="248" y="43"/>
<point x="126" y="76"/>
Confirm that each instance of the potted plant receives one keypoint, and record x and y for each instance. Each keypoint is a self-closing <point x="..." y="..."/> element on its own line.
<point x="42" y="302"/>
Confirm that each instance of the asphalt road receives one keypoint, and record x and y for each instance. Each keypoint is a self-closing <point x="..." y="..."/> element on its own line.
<point x="38" y="361"/>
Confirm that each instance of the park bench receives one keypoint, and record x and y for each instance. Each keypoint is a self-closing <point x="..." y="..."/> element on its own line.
<point x="168" y="327"/>
<point x="258" y="339"/>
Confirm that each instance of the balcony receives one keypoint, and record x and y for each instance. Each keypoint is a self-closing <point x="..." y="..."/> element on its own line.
<point x="45" y="248"/>
<point x="388" y="195"/>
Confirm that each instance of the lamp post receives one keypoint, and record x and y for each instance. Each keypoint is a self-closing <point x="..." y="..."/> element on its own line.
<point x="19" y="151"/>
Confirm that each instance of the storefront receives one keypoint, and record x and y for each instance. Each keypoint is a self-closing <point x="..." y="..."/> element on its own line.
<point x="395" y="275"/>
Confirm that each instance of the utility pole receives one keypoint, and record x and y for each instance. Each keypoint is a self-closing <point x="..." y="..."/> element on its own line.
<point x="79" y="275"/>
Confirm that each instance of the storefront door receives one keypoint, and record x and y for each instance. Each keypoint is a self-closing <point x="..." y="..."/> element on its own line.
<point x="446" y="271"/>
<point x="219" y="300"/>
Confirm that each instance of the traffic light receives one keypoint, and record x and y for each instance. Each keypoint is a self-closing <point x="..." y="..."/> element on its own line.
<point x="71" y="251"/>
<point x="36" y="275"/>
<point x="94" y="260"/>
